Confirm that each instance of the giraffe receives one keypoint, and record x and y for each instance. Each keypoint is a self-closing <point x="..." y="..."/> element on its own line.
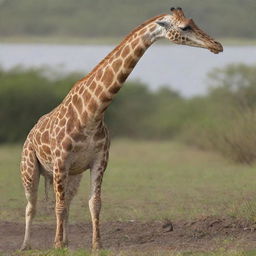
<point x="73" y="138"/>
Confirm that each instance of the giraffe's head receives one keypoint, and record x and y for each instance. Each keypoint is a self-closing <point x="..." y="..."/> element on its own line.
<point x="181" y="30"/>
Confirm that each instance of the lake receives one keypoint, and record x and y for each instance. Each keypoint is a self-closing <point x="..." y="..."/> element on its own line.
<point x="183" y="68"/>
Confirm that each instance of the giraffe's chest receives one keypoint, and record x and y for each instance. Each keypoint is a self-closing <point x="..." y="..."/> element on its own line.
<point x="82" y="159"/>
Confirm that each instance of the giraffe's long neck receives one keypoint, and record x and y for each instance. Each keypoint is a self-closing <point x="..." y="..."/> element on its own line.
<point x="99" y="87"/>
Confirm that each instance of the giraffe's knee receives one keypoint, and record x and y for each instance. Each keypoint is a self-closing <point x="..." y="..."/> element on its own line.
<point x="61" y="210"/>
<point x="95" y="203"/>
<point x="30" y="210"/>
<point x="31" y="196"/>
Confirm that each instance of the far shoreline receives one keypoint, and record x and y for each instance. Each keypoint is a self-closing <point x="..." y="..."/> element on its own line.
<point x="103" y="40"/>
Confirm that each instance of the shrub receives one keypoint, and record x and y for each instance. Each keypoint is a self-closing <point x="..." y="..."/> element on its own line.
<point x="227" y="123"/>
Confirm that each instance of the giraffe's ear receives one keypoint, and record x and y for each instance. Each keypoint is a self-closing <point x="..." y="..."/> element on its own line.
<point x="163" y="23"/>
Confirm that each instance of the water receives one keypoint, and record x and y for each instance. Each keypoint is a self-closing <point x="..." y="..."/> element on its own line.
<point x="183" y="68"/>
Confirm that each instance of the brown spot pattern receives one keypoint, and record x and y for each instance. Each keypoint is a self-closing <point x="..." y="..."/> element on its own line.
<point x="139" y="51"/>
<point x="125" y="51"/>
<point x="70" y="125"/>
<point x="38" y="137"/>
<point x="78" y="137"/>
<point x="62" y="122"/>
<point x="46" y="149"/>
<point x="57" y="152"/>
<point x="108" y="77"/>
<point x="117" y="65"/>
<point x="61" y="135"/>
<point x="92" y="86"/>
<point x="91" y="78"/>
<point x="135" y="43"/>
<point x="98" y="91"/>
<point x="152" y="28"/>
<point x="92" y="105"/>
<point x="114" y="89"/>
<point x="67" y="145"/>
<point x="130" y="62"/>
<point x="99" y="74"/>
<point x="122" y="77"/>
<point x="78" y="103"/>
<point x="143" y="31"/>
<point x="81" y="90"/>
<point x="45" y="137"/>
<point x="104" y="97"/>
<point x="87" y="96"/>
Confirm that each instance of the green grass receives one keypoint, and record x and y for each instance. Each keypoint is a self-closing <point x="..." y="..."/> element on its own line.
<point x="146" y="181"/>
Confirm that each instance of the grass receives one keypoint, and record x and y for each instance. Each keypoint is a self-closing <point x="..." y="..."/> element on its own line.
<point x="146" y="181"/>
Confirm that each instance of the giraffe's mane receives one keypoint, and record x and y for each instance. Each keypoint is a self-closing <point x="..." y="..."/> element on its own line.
<point x="121" y="44"/>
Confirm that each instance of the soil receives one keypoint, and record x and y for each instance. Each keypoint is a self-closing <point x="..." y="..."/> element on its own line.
<point x="204" y="234"/>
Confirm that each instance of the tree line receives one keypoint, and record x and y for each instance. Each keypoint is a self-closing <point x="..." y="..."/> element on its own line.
<point x="114" y="18"/>
<point x="223" y="120"/>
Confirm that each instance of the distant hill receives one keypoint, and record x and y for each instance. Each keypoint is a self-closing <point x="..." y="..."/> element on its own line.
<point x="114" y="18"/>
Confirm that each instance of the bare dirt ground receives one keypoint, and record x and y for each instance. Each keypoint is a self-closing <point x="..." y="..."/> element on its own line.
<point x="208" y="233"/>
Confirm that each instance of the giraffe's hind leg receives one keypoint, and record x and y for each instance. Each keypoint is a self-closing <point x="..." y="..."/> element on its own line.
<point x="97" y="172"/>
<point x="72" y="187"/>
<point x="30" y="178"/>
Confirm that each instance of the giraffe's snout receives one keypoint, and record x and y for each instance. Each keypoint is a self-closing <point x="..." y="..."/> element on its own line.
<point x="216" y="47"/>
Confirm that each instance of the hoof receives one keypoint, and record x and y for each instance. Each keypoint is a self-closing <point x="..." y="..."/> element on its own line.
<point x="25" y="247"/>
<point x="96" y="246"/>
<point x="58" y="245"/>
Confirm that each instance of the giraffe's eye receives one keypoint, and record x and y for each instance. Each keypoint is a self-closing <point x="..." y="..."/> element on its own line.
<point x="187" y="28"/>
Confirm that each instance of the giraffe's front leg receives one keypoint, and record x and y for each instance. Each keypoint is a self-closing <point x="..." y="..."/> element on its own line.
<point x="97" y="172"/>
<point x="30" y="177"/>
<point x="60" y="187"/>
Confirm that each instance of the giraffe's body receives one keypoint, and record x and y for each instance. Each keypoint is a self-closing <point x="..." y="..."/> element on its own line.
<point x="73" y="138"/>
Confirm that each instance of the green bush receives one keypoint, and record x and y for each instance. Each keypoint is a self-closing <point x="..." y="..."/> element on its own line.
<point x="227" y="120"/>
<point x="25" y="95"/>
<point x="224" y="120"/>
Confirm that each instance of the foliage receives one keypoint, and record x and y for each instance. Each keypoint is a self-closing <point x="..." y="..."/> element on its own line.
<point x="25" y="95"/>
<point x="128" y="113"/>
<point x="90" y="18"/>
<point x="223" y="120"/>
<point x="229" y="114"/>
